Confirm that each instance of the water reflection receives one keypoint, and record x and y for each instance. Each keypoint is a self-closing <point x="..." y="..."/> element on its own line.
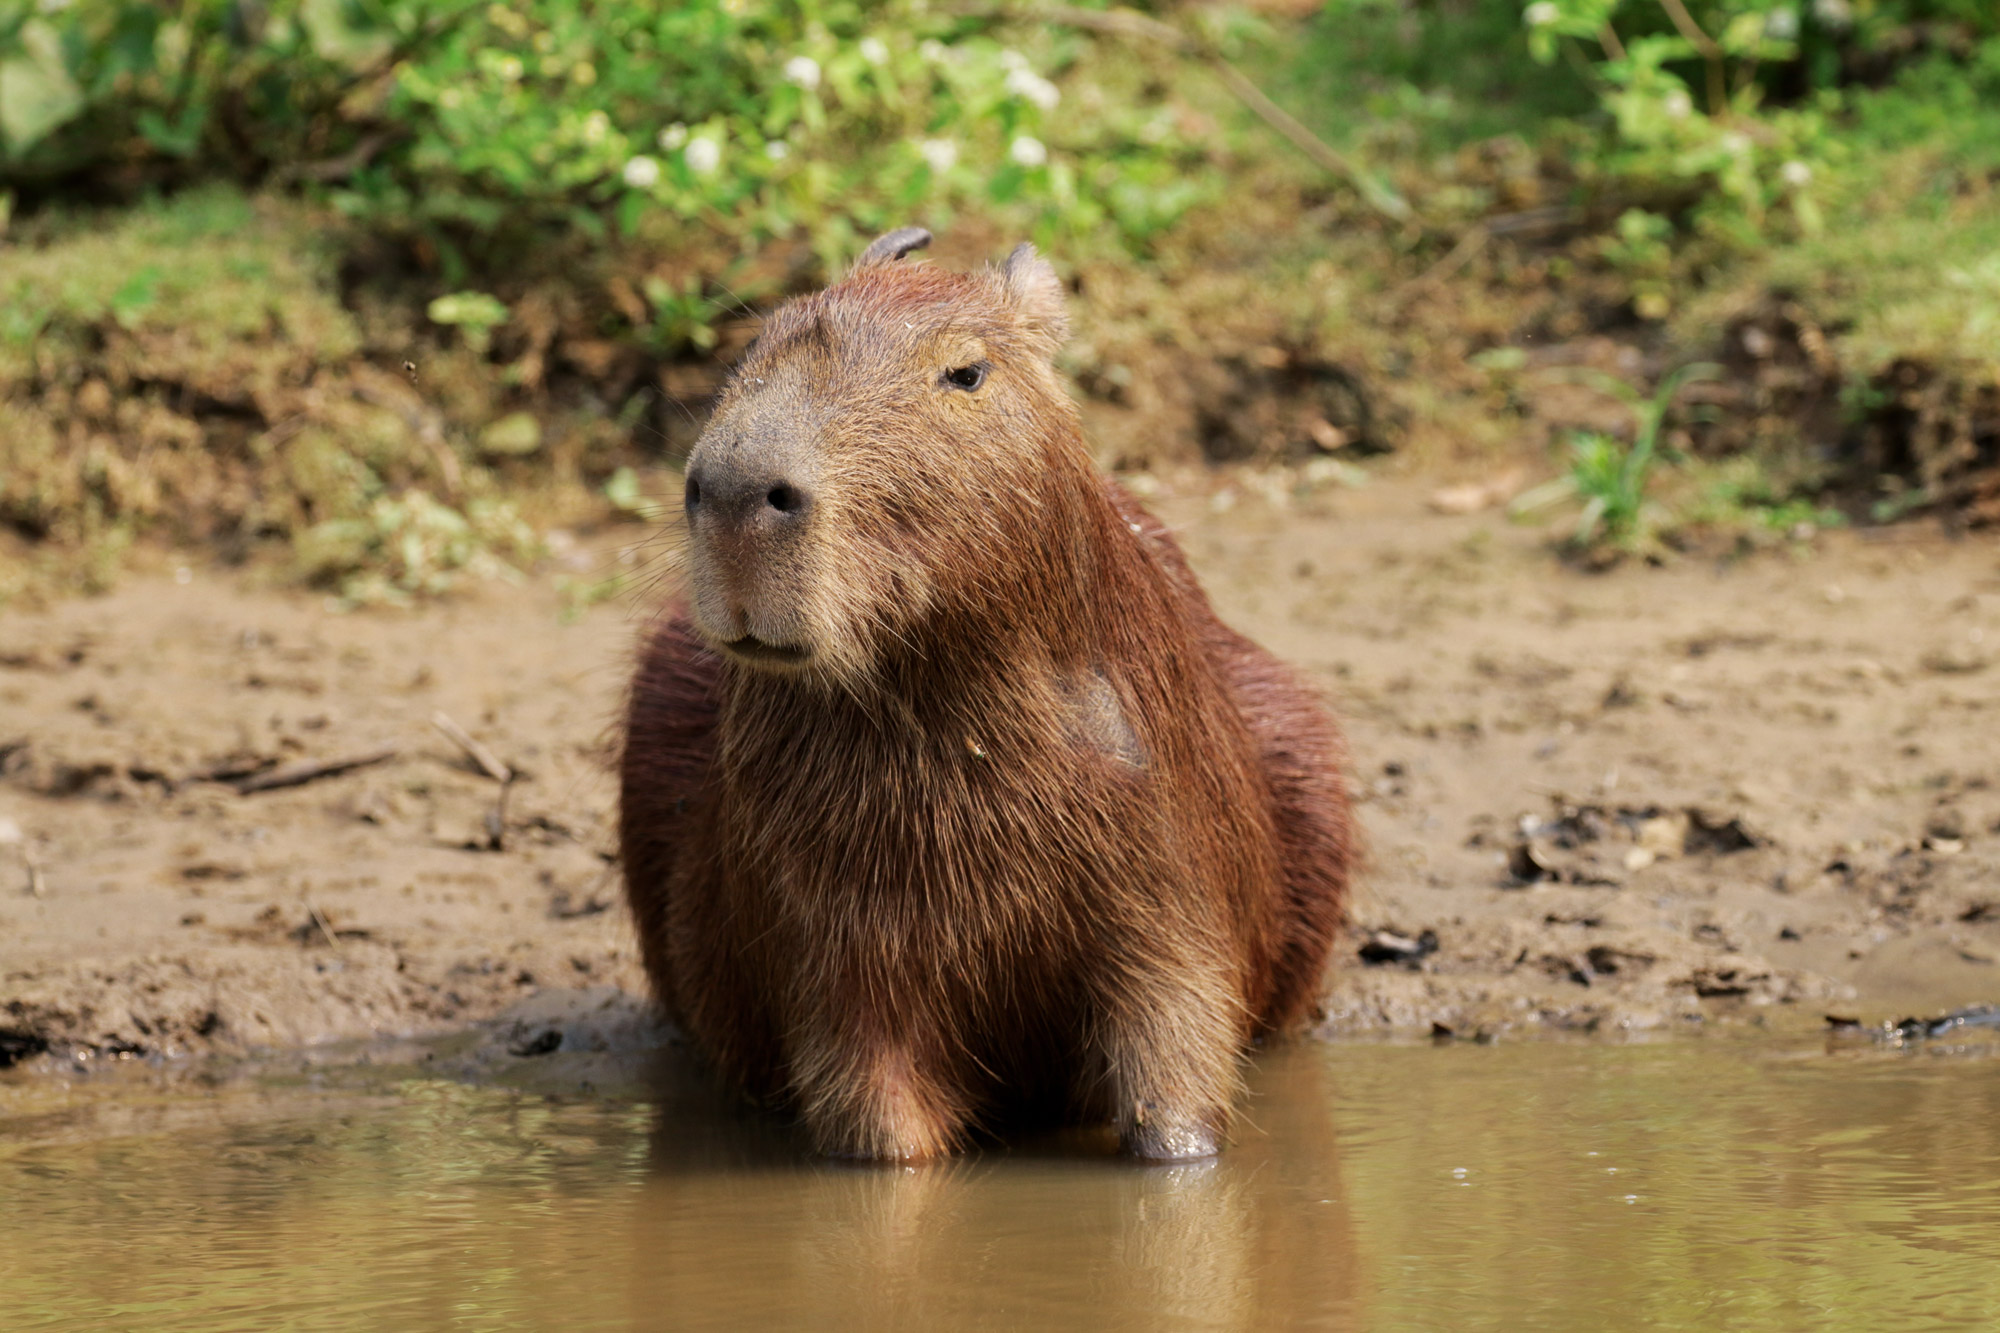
<point x="1054" y="1232"/>
<point x="1700" y="1184"/>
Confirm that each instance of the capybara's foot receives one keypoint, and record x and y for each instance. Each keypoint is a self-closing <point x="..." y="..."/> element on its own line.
<point x="1159" y="1135"/>
<point x="882" y="1112"/>
<point x="1173" y="1061"/>
<point x="905" y="1139"/>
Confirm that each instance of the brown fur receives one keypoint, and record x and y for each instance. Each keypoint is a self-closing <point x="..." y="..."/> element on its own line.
<point x="1029" y="827"/>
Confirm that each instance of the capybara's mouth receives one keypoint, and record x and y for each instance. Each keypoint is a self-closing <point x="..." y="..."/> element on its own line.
<point x="753" y="649"/>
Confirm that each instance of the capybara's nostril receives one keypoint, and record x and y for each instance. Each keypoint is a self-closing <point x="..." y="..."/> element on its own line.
<point x="744" y="496"/>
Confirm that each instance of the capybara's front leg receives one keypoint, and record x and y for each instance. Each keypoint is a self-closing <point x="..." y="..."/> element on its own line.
<point x="874" y="1099"/>
<point x="1170" y="1040"/>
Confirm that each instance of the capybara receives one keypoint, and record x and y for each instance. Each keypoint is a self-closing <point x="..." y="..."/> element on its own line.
<point x="946" y="796"/>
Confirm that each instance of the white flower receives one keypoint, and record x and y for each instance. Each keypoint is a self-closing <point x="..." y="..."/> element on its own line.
<point x="1028" y="152"/>
<point x="1677" y="104"/>
<point x="1011" y="59"/>
<point x="1781" y="25"/>
<point x="596" y="125"/>
<point x="642" y="172"/>
<point x="1541" y="14"/>
<point x="1736" y="143"/>
<point x="1025" y="83"/>
<point x="1833" y="13"/>
<point x="702" y="156"/>
<point x="673" y="136"/>
<point x="804" y="71"/>
<point x="873" y="51"/>
<point x="777" y="150"/>
<point x="1796" y="174"/>
<point x="940" y="154"/>
<point x="932" y="50"/>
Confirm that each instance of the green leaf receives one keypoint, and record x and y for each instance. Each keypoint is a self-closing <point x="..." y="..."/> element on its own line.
<point x="37" y="94"/>
<point x="472" y="310"/>
<point x="136" y="296"/>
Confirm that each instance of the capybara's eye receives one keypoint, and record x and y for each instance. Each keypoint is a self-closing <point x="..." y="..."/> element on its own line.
<point x="967" y="377"/>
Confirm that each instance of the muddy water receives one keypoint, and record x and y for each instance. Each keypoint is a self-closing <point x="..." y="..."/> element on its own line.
<point x="1739" y="1183"/>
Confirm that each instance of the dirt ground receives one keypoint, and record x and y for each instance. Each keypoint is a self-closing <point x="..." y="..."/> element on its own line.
<point x="1628" y="800"/>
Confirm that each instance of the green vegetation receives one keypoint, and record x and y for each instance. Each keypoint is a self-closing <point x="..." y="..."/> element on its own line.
<point x="474" y="129"/>
<point x="1610" y="477"/>
<point x="1806" y="192"/>
<point x="392" y="286"/>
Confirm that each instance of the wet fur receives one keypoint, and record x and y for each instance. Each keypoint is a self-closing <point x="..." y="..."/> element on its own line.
<point x="1035" y="830"/>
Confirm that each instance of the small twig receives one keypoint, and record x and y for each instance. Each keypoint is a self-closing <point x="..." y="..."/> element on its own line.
<point x="1607" y="37"/>
<point x="34" y="868"/>
<point x="496" y="819"/>
<point x="1457" y="258"/>
<point x="324" y="928"/>
<point x="231" y="770"/>
<point x="1377" y="196"/>
<point x="1718" y="96"/>
<point x="337" y="168"/>
<point x="297" y="775"/>
<point x="1468" y="247"/>
<point x="1691" y="30"/>
<point x="488" y="762"/>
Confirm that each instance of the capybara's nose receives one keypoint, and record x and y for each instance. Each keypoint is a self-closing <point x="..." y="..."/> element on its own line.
<point x="737" y="500"/>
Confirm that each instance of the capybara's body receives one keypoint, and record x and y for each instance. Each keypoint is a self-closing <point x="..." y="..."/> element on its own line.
<point x="949" y="795"/>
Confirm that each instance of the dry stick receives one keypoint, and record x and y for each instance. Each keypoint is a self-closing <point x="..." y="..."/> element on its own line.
<point x="34" y="868"/>
<point x="488" y="762"/>
<point x="496" y="819"/>
<point x="1457" y="258"/>
<point x="324" y="928"/>
<point x="337" y="168"/>
<point x="297" y="775"/>
<point x="230" y="770"/>
<point x="1124" y="23"/>
<point x="1506" y="224"/>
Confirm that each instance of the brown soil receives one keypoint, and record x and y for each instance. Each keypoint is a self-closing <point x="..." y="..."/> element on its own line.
<point x="1624" y="800"/>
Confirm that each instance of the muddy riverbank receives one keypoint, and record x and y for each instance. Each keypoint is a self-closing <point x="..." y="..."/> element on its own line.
<point x="1632" y="800"/>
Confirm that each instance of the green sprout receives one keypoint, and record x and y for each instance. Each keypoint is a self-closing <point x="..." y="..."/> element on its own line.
<point x="1610" y="477"/>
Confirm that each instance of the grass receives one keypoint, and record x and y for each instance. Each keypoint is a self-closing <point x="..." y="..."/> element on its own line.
<point x="187" y="370"/>
<point x="1610" y="478"/>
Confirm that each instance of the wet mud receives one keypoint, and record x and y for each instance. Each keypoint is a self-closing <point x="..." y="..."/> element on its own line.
<point x="1654" y="798"/>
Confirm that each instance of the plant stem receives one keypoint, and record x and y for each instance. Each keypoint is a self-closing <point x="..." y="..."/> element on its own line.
<point x="1718" y="93"/>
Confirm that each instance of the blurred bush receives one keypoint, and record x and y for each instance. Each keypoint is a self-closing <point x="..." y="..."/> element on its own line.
<point x="306" y="194"/>
<point x="1703" y="128"/>
<point x="352" y="275"/>
<point x="475" y="127"/>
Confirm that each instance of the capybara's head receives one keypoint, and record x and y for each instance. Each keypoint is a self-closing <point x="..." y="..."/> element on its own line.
<point x="879" y="454"/>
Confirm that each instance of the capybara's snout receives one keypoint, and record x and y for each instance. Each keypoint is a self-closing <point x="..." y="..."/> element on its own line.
<point x="751" y="498"/>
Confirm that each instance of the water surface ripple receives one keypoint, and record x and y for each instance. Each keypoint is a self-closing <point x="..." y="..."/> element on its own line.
<point x="1697" y="1184"/>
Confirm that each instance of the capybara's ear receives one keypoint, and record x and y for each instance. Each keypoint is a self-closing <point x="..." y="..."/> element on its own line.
<point x="893" y="246"/>
<point x="1037" y="296"/>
